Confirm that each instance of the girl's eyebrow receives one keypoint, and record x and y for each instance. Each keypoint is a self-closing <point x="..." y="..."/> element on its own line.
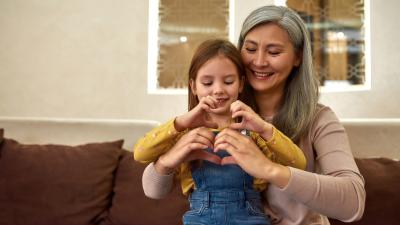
<point x="207" y="76"/>
<point x="230" y="75"/>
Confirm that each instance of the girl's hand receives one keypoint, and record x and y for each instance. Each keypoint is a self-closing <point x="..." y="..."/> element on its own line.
<point x="198" y="116"/>
<point x="189" y="147"/>
<point x="249" y="157"/>
<point x="249" y="120"/>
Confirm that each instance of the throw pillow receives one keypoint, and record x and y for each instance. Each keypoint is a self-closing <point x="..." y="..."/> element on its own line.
<point x="1" y="135"/>
<point x="131" y="207"/>
<point x="382" y="185"/>
<point x="56" y="184"/>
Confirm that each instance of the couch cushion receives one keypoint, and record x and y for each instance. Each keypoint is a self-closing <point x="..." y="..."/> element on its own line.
<point x="56" y="184"/>
<point x="1" y="135"/>
<point x="382" y="185"/>
<point x="131" y="207"/>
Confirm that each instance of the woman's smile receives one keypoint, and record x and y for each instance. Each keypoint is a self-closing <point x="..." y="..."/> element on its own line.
<point x="262" y="75"/>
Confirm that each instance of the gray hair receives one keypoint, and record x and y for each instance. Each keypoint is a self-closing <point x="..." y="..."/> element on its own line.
<point x="302" y="93"/>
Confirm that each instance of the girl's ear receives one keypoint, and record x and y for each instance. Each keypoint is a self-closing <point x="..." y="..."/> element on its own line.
<point x="192" y="86"/>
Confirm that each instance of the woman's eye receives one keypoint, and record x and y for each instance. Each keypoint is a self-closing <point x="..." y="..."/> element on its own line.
<point x="274" y="53"/>
<point x="251" y="50"/>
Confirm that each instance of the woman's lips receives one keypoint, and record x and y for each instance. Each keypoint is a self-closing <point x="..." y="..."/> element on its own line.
<point x="263" y="74"/>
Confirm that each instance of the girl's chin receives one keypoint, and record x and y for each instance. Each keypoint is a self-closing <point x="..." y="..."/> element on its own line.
<point x="222" y="110"/>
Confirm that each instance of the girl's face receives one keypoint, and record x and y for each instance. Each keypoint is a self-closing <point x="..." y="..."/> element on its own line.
<point x="218" y="78"/>
<point x="269" y="57"/>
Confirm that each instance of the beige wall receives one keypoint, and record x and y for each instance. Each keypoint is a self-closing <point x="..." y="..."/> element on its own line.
<point x="382" y="99"/>
<point x="88" y="59"/>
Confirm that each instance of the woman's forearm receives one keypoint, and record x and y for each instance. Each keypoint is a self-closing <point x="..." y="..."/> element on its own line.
<point x="156" y="185"/>
<point x="277" y="174"/>
<point x="340" y="195"/>
<point x="335" y="187"/>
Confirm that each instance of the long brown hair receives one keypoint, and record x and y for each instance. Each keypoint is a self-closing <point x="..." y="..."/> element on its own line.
<point x="208" y="50"/>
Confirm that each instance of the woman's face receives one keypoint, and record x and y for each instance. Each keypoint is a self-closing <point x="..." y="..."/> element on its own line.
<point x="218" y="78"/>
<point x="269" y="57"/>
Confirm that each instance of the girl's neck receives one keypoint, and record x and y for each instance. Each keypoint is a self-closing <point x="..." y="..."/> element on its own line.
<point x="269" y="103"/>
<point x="222" y="121"/>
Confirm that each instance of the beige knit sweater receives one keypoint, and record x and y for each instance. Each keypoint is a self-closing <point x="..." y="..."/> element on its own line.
<point x="331" y="185"/>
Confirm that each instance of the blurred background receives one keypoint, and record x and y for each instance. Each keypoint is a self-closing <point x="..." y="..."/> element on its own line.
<point x="128" y="59"/>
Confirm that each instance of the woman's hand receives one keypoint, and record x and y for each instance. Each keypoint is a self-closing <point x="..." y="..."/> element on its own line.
<point x="198" y="116"/>
<point x="189" y="147"/>
<point x="249" y="120"/>
<point x="249" y="157"/>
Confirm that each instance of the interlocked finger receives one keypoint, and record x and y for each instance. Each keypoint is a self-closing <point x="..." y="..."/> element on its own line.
<point x="232" y="137"/>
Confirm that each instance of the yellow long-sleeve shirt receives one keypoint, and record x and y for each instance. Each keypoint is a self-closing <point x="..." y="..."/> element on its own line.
<point x="279" y="149"/>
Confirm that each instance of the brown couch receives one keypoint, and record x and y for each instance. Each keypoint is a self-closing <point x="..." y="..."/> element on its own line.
<point x="98" y="182"/>
<point x="94" y="183"/>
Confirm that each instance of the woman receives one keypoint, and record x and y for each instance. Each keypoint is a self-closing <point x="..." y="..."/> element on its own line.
<point x="283" y="92"/>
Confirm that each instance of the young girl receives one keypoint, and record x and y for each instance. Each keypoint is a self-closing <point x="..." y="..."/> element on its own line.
<point x="220" y="192"/>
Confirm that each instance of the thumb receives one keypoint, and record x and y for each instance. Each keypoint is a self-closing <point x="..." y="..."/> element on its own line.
<point x="228" y="160"/>
<point x="236" y="126"/>
<point x="204" y="155"/>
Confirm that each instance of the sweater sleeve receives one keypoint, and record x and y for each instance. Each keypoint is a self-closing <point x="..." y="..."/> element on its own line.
<point x="281" y="149"/>
<point x="155" y="185"/>
<point x="336" y="189"/>
<point x="156" y="142"/>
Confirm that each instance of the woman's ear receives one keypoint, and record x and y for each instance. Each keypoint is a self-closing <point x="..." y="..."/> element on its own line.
<point x="241" y="83"/>
<point x="299" y="58"/>
<point x="192" y="86"/>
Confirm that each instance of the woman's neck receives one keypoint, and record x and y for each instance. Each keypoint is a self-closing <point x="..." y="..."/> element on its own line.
<point x="269" y="103"/>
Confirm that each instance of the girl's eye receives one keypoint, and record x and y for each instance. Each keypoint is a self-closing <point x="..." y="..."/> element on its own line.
<point x="207" y="83"/>
<point x="228" y="82"/>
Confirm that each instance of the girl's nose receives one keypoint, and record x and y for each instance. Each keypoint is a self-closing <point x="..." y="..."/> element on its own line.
<point x="218" y="89"/>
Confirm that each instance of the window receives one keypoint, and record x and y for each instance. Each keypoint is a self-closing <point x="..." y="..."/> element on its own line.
<point x="339" y="32"/>
<point x="176" y="28"/>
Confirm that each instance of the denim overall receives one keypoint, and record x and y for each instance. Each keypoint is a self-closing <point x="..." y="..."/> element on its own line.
<point x="224" y="195"/>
